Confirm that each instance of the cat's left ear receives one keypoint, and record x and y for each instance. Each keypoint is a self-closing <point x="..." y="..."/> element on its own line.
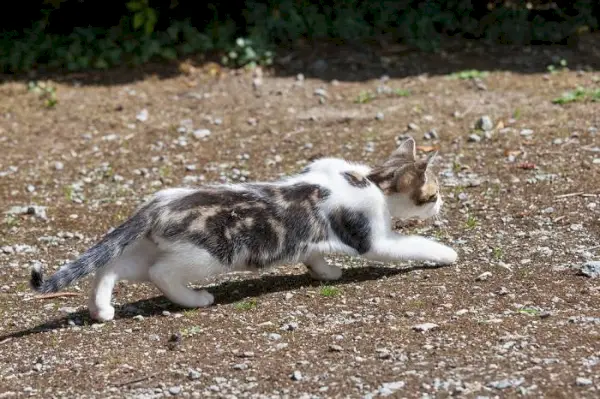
<point x="427" y="162"/>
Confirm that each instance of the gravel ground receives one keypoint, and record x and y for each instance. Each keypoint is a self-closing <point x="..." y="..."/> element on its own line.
<point x="518" y="314"/>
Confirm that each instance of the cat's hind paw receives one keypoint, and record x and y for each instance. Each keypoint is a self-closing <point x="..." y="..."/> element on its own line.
<point x="330" y="273"/>
<point x="102" y="314"/>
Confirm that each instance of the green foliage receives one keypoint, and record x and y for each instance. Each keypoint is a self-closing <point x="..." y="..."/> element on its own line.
<point x="245" y="32"/>
<point x="579" y="94"/>
<point x="143" y="15"/>
<point x="246" y="53"/>
<point x="45" y="91"/>
<point x="365" y="96"/>
<point x="329" y="291"/>
<point x="468" y="74"/>
<point x="246" y="305"/>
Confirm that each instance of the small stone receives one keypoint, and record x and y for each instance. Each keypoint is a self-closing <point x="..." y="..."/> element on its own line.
<point x="388" y="388"/>
<point x="506" y="383"/>
<point x="379" y="116"/>
<point x="485" y="123"/>
<point x="335" y="348"/>
<point x="175" y="390"/>
<point x="581" y="381"/>
<point x="59" y="165"/>
<point x="297" y="376"/>
<point x="142" y="116"/>
<point x="591" y="269"/>
<point x="484" y="276"/>
<point x="425" y="327"/>
<point x="526" y="132"/>
<point x="201" y="133"/>
<point x="138" y="317"/>
<point x="320" y="92"/>
<point x="431" y="135"/>
<point x="474" y="138"/>
<point x="193" y="374"/>
<point x="274" y="336"/>
<point x="461" y="312"/>
<point x="67" y="309"/>
<point x="30" y="188"/>
<point x="413" y="126"/>
<point x="288" y="296"/>
<point x="240" y="366"/>
<point x="290" y="326"/>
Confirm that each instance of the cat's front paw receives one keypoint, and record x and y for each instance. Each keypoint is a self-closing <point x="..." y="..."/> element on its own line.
<point x="445" y="255"/>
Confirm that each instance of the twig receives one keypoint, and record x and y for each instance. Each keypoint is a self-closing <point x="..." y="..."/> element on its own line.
<point x="590" y="248"/>
<point x="133" y="381"/>
<point x="55" y="295"/>
<point x="569" y="195"/>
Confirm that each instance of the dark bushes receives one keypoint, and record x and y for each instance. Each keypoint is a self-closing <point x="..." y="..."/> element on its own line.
<point x="80" y="34"/>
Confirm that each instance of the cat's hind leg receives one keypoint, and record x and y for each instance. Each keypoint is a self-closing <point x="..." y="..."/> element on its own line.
<point x="320" y="270"/>
<point x="132" y="265"/>
<point x="172" y="271"/>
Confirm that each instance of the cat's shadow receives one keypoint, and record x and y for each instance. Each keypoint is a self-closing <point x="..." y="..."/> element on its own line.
<point x="225" y="293"/>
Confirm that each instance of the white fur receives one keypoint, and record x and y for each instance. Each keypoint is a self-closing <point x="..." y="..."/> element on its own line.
<point x="170" y="266"/>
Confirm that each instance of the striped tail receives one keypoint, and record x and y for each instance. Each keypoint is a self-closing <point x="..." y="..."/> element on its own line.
<point x="110" y="247"/>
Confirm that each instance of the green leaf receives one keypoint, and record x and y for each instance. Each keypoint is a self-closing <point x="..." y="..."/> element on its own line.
<point x="138" y="20"/>
<point x="135" y="5"/>
<point x="168" y="53"/>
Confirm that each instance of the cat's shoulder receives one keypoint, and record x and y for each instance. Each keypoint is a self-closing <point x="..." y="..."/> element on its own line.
<point x="336" y="166"/>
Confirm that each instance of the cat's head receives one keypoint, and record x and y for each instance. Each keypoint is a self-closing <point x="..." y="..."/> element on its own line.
<point x="409" y="184"/>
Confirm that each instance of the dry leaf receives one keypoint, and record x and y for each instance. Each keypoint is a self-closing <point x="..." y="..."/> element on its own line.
<point x="526" y="165"/>
<point x="427" y="148"/>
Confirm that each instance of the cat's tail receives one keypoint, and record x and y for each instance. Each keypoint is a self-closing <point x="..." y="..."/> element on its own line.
<point x="107" y="249"/>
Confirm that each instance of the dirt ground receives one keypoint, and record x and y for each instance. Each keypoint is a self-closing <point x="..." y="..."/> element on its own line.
<point x="514" y="317"/>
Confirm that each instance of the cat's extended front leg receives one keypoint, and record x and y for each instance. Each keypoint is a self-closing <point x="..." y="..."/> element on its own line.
<point x="320" y="270"/>
<point x="397" y="247"/>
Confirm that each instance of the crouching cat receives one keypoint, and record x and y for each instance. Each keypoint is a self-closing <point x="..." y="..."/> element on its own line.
<point x="184" y="235"/>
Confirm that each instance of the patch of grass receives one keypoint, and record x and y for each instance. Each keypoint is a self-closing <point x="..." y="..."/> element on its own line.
<point x="402" y="92"/>
<point x="165" y="171"/>
<point x="365" y="96"/>
<point x="458" y="189"/>
<point x="560" y="68"/>
<point x="497" y="253"/>
<point x="469" y="74"/>
<point x="456" y="166"/>
<point x="11" y="221"/>
<point x="188" y="332"/>
<point x="329" y="291"/>
<point x="516" y="113"/>
<point x="45" y="91"/>
<point x="415" y="304"/>
<point x="579" y="94"/>
<point x="529" y="311"/>
<point x="246" y="305"/>
<point x="471" y="222"/>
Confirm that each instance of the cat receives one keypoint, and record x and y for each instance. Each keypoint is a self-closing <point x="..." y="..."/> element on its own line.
<point x="183" y="235"/>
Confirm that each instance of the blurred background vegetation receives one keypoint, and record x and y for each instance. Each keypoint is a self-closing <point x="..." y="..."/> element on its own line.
<point x="83" y="34"/>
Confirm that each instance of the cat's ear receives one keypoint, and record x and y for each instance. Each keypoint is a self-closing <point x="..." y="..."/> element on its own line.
<point x="425" y="164"/>
<point x="431" y="158"/>
<point x="406" y="150"/>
